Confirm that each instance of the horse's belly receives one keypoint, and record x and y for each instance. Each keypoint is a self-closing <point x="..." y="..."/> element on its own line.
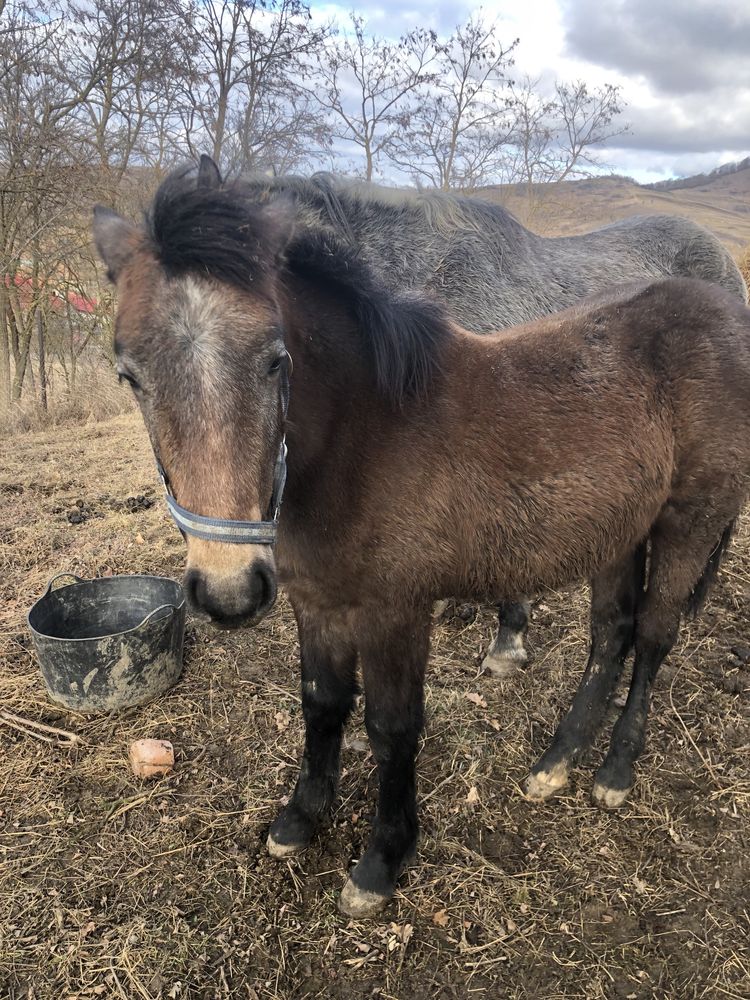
<point x="576" y="528"/>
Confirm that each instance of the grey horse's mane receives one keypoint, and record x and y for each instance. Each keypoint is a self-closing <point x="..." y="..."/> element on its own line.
<point x="336" y="195"/>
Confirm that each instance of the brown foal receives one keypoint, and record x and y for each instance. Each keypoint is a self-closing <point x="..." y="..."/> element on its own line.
<point x="425" y="461"/>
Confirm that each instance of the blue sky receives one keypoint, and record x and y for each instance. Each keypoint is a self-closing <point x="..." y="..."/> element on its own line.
<point x="683" y="65"/>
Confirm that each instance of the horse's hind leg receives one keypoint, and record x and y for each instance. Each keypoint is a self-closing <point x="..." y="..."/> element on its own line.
<point x="328" y="684"/>
<point x="682" y="566"/>
<point x="506" y="653"/>
<point x="614" y="597"/>
<point x="393" y="660"/>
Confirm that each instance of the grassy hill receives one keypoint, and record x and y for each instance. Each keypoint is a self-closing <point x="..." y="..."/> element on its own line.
<point x="721" y="204"/>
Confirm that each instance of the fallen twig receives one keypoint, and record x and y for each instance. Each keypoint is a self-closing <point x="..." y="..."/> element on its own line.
<point x="38" y="729"/>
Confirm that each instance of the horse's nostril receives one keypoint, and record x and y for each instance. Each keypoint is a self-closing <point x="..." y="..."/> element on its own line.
<point x="263" y="587"/>
<point x="231" y="602"/>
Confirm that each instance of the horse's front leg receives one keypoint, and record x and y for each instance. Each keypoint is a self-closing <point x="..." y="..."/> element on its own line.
<point x="393" y="659"/>
<point x="328" y="658"/>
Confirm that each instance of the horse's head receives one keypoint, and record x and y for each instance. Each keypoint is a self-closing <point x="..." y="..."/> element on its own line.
<point x="199" y="338"/>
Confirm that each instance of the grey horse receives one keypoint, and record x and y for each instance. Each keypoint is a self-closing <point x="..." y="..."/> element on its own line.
<point x="492" y="272"/>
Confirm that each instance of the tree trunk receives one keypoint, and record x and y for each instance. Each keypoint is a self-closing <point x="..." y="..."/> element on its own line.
<point x="4" y="351"/>
<point x="42" y="371"/>
<point x="22" y="356"/>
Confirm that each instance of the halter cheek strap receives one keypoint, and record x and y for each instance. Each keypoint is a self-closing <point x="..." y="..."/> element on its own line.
<point x="215" y="529"/>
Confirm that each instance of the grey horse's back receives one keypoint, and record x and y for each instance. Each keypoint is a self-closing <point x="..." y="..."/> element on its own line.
<point x="481" y="262"/>
<point x="670" y="245"/>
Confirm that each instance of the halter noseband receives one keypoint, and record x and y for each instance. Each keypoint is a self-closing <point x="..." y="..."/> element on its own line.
<point x="215" y="529"/>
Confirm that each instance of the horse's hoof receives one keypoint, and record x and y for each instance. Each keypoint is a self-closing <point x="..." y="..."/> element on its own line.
<point x="609" y="798"/>
<point x="506" y="659"/>
<point x="278" y="850"/>
<point x="540" y="785"/>
<point x="505" y="664"/>
<point x="360" y="903"/>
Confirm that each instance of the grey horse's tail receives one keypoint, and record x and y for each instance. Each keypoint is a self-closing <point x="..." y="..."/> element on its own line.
<point x="700" y="590"/>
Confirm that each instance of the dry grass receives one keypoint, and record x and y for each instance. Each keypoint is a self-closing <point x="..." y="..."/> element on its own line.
<point x="110" y="887"/>
<point x="95" y="397"/>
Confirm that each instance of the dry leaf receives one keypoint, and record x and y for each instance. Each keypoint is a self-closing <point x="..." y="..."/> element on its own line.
<point x="403" y="932"/>
<point x="473" y="797"/>
<point x="283" y="718"/>
<point x="440" y="919"/>
<point x="139" y="539"/>
<point x="475" y="699"/>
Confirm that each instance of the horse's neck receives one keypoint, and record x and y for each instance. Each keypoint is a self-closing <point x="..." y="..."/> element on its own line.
<point x="331" y="391"/>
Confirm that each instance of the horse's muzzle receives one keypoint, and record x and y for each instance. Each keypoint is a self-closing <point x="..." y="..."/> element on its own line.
<point x="237" y="601"/>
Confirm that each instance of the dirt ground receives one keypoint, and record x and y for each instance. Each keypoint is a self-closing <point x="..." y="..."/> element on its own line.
<point x="110" y="887"/>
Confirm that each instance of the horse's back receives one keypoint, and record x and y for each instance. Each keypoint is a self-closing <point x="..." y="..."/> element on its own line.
<point x="655" y="245"/>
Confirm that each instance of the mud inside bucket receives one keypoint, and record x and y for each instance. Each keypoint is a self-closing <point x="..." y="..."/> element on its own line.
<point x="109" y="643"/>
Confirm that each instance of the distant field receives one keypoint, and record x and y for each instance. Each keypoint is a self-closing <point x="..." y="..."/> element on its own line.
<point x="723" y="206"/>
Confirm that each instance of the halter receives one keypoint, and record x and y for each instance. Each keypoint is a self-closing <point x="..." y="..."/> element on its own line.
<point x="215" y="529"/>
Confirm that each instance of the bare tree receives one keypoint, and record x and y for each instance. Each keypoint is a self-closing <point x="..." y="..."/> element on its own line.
<point x="363" y="83"/>
<point x="456" y="134"/>
<point x="126" y="47"/>
<point x="241" y="79"/>
<point x="556" y="137"/>
<point x="587" y="119"/>
<point x="44" y="161"/>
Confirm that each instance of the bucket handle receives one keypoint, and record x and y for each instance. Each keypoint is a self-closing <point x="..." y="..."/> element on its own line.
<point x="162" y="607"/>
<point x="58" y="576"/>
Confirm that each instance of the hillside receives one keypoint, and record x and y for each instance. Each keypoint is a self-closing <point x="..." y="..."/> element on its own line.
<point x="722" y="204"/>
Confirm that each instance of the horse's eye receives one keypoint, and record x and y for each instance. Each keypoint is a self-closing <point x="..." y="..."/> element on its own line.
<point x="275" y="367"/>
<point x="127" y="377"/>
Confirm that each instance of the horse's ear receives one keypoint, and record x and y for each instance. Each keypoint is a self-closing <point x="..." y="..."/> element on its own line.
<point x="208" y="173"/>
<point x="115" y="239"/>
<point x="279" y="218"/>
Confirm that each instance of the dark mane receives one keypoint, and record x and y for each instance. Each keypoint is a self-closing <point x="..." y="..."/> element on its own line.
<point x="228" y="234"/>
<point x="212" y="231"/>
<point x="405" y="333"/>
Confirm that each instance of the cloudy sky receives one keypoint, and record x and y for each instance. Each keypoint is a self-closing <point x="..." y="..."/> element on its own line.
<point x="683" y="65"/>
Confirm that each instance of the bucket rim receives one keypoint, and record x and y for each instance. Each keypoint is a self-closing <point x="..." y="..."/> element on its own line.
<point x="175" y="608"/>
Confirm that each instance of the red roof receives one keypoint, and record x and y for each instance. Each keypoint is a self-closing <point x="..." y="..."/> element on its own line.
<point x="80" y="303"/>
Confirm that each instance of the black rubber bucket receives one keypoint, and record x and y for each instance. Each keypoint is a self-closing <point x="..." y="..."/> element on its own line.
<point x="109" y="643"/>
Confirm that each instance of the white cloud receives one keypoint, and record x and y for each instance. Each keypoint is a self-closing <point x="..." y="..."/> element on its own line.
<point x="683" y="68"/>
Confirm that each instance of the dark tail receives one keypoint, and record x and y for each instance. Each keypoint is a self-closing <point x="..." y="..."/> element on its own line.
<point x="700" y="590"/>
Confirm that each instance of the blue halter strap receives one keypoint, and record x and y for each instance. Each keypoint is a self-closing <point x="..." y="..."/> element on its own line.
<point x="215" y="529"/>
